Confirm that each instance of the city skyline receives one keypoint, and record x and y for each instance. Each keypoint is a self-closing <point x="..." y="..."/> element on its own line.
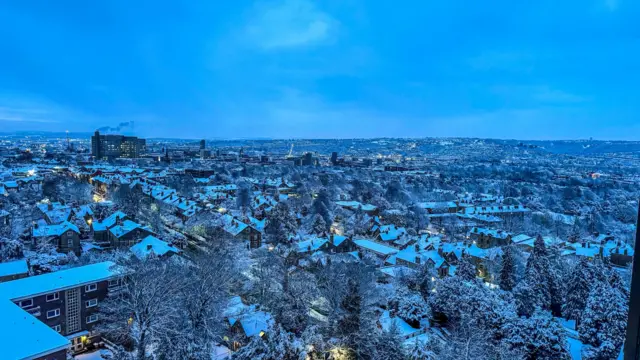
<point x="334" y="69"/>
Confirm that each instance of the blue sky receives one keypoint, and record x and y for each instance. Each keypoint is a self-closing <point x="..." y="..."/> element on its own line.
<point x="333" y="68"/>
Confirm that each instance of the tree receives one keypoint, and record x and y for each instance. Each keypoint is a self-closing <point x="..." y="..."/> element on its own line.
<point x="277" y="344"/>
<point x="243" y="197"/>
<point x="410" y="306"/>
<point x="539" y="337"/>
<point x="10" y="249"/>
<point x="319" y="226"/>
<point x="389" y="345"/>
<point x="466" y="270"/>
<point x="145" y="307"/>
<point x="355" y="328"/>
<point x="604" y="322"/>
<point x="507" y="279"/>
<point x="578" y="289"/>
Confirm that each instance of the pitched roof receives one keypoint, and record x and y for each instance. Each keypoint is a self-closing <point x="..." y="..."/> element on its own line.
<point x="54" y="230"/>
<point x="151" y="244"/>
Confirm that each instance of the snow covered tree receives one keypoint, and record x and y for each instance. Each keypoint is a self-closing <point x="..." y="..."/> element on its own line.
<point x="539" y="337"/>
<point x="507" y="279"/>
<point x="319" y="226"/>
<point x="466" y="269"/>
<point x="389" y="345"/>
<point x="604" y="323"/>
<point x="577" y="293"/>
<point x="144" y="308"/>
<point x="10" y="249"/>
<point x="277" y="344"/>
<point x="243" y="197"/>
<point x="410" y="306"/>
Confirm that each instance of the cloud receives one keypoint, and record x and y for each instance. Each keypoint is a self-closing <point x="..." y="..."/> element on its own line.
<point x="288" y="24"/>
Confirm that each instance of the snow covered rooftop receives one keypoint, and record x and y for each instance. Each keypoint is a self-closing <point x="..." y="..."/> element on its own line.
<point x="126" y="227"/>
<point x="16" y="325"/>
<point x="375" y="247"/>
<point x="150" y="245"/>
<point x="54" y="230"/>
<point x="56" y="281"/>
<point x="13" y="268"/>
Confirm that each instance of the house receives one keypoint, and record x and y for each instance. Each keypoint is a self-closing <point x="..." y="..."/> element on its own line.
<point x="51" y="313"/>
<point x="243" y="231"/>
<point x="126" y="233"/>
<point x="245" y="322"/>
<point x="356" y="205"/>
<point x="487" y="238"/>
<point x="442" y="207"/>
<point x="376" y="248"/>
<point x="311" y="245"/>
<point x="340" y="244"/>
<point x="13" y="270"/>
<point x="101" y="228"/>
<point x="54" y="212"/>
<point x="65" y="236"/>
<point x="152" y="245"/>
<point x="390" y="233"/>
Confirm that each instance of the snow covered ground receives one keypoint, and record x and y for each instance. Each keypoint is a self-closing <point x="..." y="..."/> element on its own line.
<point x="96" y="355"/>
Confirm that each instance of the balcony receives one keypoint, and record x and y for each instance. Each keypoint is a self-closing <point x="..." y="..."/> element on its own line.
<point x="35" y="311"/>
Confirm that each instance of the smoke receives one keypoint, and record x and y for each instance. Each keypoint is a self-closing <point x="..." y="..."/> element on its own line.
<point x="120" y="127"/>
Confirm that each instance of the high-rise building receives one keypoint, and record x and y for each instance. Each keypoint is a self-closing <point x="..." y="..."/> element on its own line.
<point x="116" y="146"/>
<point x="632" y="343"/>
<point x="334" y="158"/>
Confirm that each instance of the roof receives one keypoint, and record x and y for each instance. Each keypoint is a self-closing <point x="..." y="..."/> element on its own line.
<point x="17" y="324"/>
<point x="310" y="245"/>
<point x="356" y="205"/>
<point x="232" y="225"/>
<point x="14" y="268"/>
<point x="405" y="329"/>
<point x="126" y="227"/>
<point x="109" y="221"/>
<point x="253" y="321"/>
<point x="498" y="234"/>
<point x="54" y="230"/>
<point x="376" y="247"/>
<point x="150" y="245"/>
<point x="391" y="232"/>
<point x="56" y="281"/>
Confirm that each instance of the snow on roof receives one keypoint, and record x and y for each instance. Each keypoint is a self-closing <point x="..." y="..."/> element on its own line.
<point x="151" y="244"/>
<point x="498" y="234"/>
<point x="499" y="209"/>
<point x="395" y="271"/>
<point x="17" y="325"/>
<point x="13" y="268"/>
<point x="57" y="281"/>
<point x="376" y="247"/>
<point x="59" y="215"/>
<point x="3" y="191"/>
<point x="83" y="210"/>
<point x="520" y="238"/>
<point x="353" y="205"/>
<point x="109" y="221"/>
<point x="405" y="329"/>
<point x="310" y="245"/>
<point x="126" y="227"/>
<point x="49" y="206"/>
<point x="253" y="322"/>
<point x="233" y="225"/>
<point x="438" y="205"/>
<point x="3" y="213"/>
<point x="391" y="232"/>
<point x="54" y="230"/>
<point x="338" y="239"/>
<point x="226" y="187"/>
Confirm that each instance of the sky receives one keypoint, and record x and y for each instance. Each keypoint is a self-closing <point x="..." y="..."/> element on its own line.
<point x="323" y="69"/>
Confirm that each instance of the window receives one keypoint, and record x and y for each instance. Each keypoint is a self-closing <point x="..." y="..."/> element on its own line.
<point x="57" y="328"/>
<point x="26" y="303"/>
<point x="91" y="303"/>
<point x="53" y="297"/>
<point x="113" y="282"/>
<point x="91" y="287"/>
<point x="53" y="313"/>
<point x="92" y="318"/>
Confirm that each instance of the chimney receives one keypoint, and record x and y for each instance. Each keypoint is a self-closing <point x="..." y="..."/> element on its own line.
<point x="601" y="251"/>
<point x="440" y="252"/>
<point x="626" y="251"/>
<point x="418" y="259"/>
<point x="35" y="225"/>
<point x="149" y="247"/>
<point x="49" y="206"/>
